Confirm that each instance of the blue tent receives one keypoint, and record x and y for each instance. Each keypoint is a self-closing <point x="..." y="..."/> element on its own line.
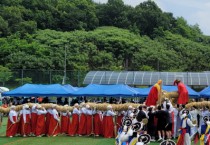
<point x="39" y="90"/>
<point x="106" y="90"/>
<point x="70" y="88"/>
<point x="205" y="92"/>
<point x="145" y="91"/>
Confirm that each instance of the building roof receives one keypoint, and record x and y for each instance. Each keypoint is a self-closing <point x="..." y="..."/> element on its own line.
<point x="146" y="78"/>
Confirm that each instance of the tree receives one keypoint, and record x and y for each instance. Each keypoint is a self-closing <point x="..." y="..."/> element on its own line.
<point x="22" y="81"/>
<point x="5" y="74"/>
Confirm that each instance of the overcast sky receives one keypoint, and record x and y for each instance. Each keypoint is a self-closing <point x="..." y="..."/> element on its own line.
<point x="194" y="11"/>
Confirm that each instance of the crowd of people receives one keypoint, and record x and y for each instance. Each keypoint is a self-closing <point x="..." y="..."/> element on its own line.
<point x="164" y="120"/>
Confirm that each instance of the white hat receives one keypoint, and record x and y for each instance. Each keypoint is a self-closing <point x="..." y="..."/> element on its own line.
<point x="109" y="107"/>
<point x="87" y="106"/>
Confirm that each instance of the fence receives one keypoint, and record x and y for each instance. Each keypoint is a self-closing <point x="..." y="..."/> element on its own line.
<point x="23" y="76"/>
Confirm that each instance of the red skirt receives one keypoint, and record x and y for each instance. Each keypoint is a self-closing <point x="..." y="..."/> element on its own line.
<point x="73" y="128"/>
<point x="54" y="127"/>
<point x="103" y="125"/>
<point x="33" y="122"/>
<point x="25" y="127"/>
<point x="119" y="121"/>
<point x="65" y="122"/>
<point x="40" y="126"/>
<point x="11" y="128"/>
<point x="82" y="125"/>
<point x="48" y="117"/>
<point x="97" y="125"/>
<point x="89" y="124"/>
<point x="109" y="127"/>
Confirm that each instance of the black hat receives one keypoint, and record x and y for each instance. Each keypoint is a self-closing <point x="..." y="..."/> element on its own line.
<point x="167" y="142"/>
<point x="127" y="122"/>
<point x="136" y="126"/>
<point x="206" y="118"/>
<point x="185" y="111"/>
<point x="145" y="138"/>
<point x="122" y="120"/>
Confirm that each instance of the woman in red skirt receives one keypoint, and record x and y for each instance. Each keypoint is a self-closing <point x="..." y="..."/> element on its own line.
<point x="109" y="124"/>
<point x="98" y="118"/>
<point x="65" y="120"/>
<point x="25" y="120"/>
<point x="82" y="122"/>
<point x="40" y="125"/>
<point x="73" y="128"/>
<point x="54" y="127"/>
<point x="12" y="125"/>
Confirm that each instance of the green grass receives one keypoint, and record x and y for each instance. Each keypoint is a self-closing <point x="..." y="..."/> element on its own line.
<point x="59" y="140"/>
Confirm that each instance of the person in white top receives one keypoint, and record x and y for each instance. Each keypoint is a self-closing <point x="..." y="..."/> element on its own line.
<point x="65" y="119"/>
<point x="185" y="129"/>
<point x="176" y="115"/>
<point x="109" y="127"/>
<point x="40" y="125"/>
<point x="12" y="125"/>
<point x="82" y="123"/>
<point x="89" y="120"/>
<point x="33" y="118"/>
<point x="54" y="127"/>
<point x="25" y="120"/>
<point x="194" y="113"/>
<point x="73" y="128"/>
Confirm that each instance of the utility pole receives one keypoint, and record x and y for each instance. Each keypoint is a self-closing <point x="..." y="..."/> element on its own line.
<point x="64" y="78"/>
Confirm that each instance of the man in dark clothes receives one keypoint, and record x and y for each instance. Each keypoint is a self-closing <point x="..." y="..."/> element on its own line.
<point x="151" y="128"/>
<point x="141" y="115"/>
<point x="162" y="121"/>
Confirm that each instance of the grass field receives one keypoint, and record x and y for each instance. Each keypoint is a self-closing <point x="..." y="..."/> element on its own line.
<point x="59" y="140"/>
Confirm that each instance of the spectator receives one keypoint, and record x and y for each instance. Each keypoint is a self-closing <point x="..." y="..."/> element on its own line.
<point x="66" y="102"/>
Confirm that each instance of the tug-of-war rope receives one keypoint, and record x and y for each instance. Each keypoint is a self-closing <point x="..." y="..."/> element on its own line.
<point x="101" y="107"/>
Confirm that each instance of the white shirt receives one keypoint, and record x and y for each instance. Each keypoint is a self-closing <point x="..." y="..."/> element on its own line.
<point x="110" y="113"/>
<point x="55" y="114"/>
<point x="66" y="113"/>
<point x="83" y="110"/>
<point x="11" y="114"/>
<point x="40" y="112"/>
<point x="187" y="121"/>
<point x="25" y="112"/>
<point x="33" y="109"/>
<point x="76" y="111"/>
<point x="89" y="112"/>
<point x="194" y="114"/>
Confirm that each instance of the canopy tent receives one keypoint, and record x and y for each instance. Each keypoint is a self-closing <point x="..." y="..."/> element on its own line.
<point x="119" y="90"/>
<point x="39" y="90"/>
<point x="145" y="91"/>
<point x="3" y="89"/>
<point x="71" y="88"/>
<point x="205" y="92"/>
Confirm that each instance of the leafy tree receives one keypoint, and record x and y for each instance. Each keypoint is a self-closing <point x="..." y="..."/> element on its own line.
<point x="22" y="81"/>
<point x="5" y="74"/>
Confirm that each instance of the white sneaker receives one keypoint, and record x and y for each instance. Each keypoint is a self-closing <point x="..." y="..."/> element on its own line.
<point x="160" y="139"/>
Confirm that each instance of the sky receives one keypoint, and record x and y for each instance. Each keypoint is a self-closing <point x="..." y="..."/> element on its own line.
<point x="194" y="11"/>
